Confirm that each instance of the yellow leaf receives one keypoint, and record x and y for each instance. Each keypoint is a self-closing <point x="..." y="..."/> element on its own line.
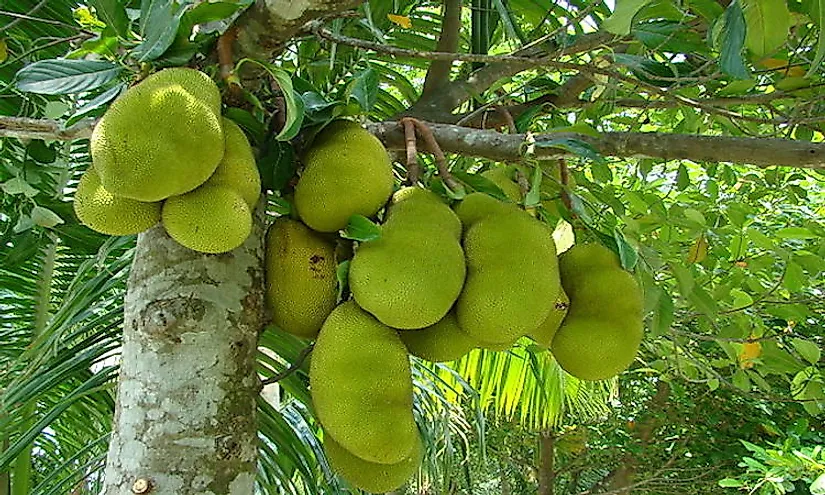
<point x="750" y="351"/>
<point x="401" y="20"/>
<point x="4" y="51"/>
<point x="698" y="251"/>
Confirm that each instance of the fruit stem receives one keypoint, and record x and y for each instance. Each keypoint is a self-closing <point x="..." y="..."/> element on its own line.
<point x="413" y="169"/>
<point x="441" y="161"/>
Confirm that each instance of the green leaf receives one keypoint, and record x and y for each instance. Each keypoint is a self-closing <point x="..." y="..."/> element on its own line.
<point x="342" y="274"/>
<point x="730" y="483"/>
<point x="480" y="184"/>
<point x="159" y="20"/>
<point x="807" y="349"/>
<point x="778" y="361"/>
<point x="113" y="14"/>
<point x="768" y="25"/>
<point x="281" y="206"/>
<point x="816" y="11"/>
<point x="662" y="314"/>
<point x="364" y="88"/>
<point x="627" y="254"/>
<point x="45" y="217"/>
<point x="733" y="41"/>
<point x="18" y="186"/>
<point x="533" y="196"/>
<point x="294" y="103"/>
<point x="682" y="177"/>
<point x="95" y="103"/>
<point x="211" y="12"/>
<point x="362" y="229"/>
<point x="574" y="146"/>
<point x="818" y="486"/>
<point x="622" y="18"/>
<point x="64" y="76"/>
<point x="795" y="233"/>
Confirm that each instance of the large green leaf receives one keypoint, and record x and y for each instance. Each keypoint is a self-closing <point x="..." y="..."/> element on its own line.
<point x="63" y="76"/>
<point x="622" y="18"/>
<point x="768" y="25"/>
<point x="733" y="41"/>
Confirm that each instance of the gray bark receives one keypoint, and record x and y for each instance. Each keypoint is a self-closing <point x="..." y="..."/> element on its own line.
<point x="185" y="417"/>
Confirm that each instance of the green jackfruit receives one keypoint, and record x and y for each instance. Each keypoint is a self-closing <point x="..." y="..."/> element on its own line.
<point x="476" y="206"/>
<point x="361" y="386"/>
<point x="371" y="476"/>
<point x="237" y="170"/>
<point x="106" y="213"/>
<point x="412" y="275"/>
<point x="210" y="219"/>
<point x="544" y="334"/>
<point x="503" y="178"/>
<point x="162" y="138"/>
<point x="512" y="277"/>
<point x="443" y="341"/>
<point x="418" y="202"/>
<point x="300" y="277"/>
<point x="349" y="173"/>
<point x="602" y="331"/>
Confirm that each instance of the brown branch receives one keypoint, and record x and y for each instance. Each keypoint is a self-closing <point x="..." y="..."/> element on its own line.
<point x="26" y="128"/>
<point x="762" y="152"/>
<point x="507" y="116"/>
<point x="440" y="160"/>
<point x="413" y="169"/>
<point x="438" y="73"/>
<point x="564" y="177"/>
<point x="226" y="61"/>
<point x="299" y="361"/>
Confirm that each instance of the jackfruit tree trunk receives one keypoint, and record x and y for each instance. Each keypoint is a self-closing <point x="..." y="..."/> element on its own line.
<point x="185" y="417"/>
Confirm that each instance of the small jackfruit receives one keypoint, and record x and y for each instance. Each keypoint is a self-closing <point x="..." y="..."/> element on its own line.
<point x="443" y="341"/>
<point x="300" y="277"/>
<point x="210" y="219"/>
<point x="412" y="275"/>
<point x="237" y="169"/>
<point x="361" y="386"/>
<point x="348" y="173"/>
<point x="543" y="335"/>
<point x="106" y="213"/>
<point x="503" y="178"/>
<point x="162" y="138"/>
<point x="476" y="206"/>
<point x="371" y="476"/>
<point x="603" y="328"/>
<point x="512" y="277"/>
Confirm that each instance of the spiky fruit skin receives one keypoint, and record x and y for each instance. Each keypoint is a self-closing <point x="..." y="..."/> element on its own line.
<point x="210" y="219"/>
<point x="512" y="277"/>
<point x="543" y="335"/>
<point x="348" y="173"/>
<point x="106" y="213"/>
<point x="413" y="202"/>
<point x="602" y="331"/>
<point x="371" y="476"/>
<point x="300" y="277"/>
<point x="476" y="206"/>
<point x="237" y="169"/>
<point x="361" y="386"/>
<point x="162" y="138"/>
<point x="412" y="275"/>
<point x="441" y="342"/>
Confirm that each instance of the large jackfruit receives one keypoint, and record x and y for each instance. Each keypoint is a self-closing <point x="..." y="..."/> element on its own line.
<point x="412" y="275"/>
<point x="603" y="328"/>
<point x="162" y="138"/>
<point x="348" y="173"/>
<point x="443" y="341"/>
<point x="106" y="213"/>
<point x="371" y="476"/>
<point x="210" y="219"/>
<point x="512" y="277"/>
<point x="361" y="386"/>
<point x="300" y="277"/>
<point x="237" y="169"/>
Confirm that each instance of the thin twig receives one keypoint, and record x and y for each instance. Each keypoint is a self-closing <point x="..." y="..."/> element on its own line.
<point x="299" y="361"/>
<point x="225" y="58"/>
<point x="508" y="118"/>
<point x="413" y="169"/>
<point x="440" y="160"/>
<point x="564" y="177"/>
<point x="20" y="17"/>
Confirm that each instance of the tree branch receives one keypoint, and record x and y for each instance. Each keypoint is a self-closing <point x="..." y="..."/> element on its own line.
<point x="265" y="29"/>
<point x="26" y="128"/>
<point x="439" y="72"/>
<point x="762" y="152"/>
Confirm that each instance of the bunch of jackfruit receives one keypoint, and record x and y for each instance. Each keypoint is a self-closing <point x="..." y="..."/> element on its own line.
<point x="437" y="283"/>
<point x="162" y="152"/>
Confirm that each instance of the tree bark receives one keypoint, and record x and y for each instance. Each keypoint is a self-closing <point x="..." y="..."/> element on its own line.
<point x="185" y="416"/>
<point x="547" y="464"/>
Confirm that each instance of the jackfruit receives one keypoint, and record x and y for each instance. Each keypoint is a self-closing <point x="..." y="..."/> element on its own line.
<point x="162" y="138"/>
<point x="371" y="476"/>
<point x="210" y="219"/>
<point x="476" y="206"/>
<point x="512" y="277"/>
<point x="543" y="335"/>
<point x="348" y="173"/>
<point x="503" y="178"/>
<point x="443" y="341"/>
<point x="237" y="170"/>
<point x="361" y="386"/>
<point x="106" y="213"/>
<point x="602" y="331"/>
<point x="412" y="275"/>
<point x="300" y="277"/>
